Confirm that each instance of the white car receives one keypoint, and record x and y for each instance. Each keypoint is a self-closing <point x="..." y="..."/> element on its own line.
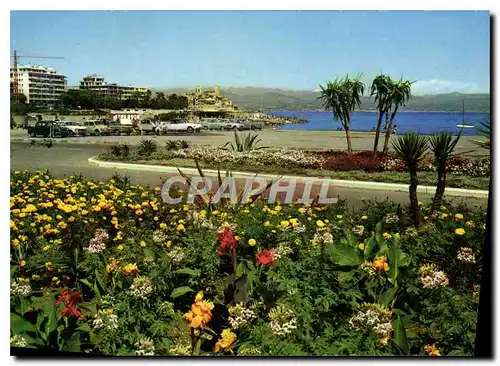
<point x="179" y="126"/>
<point x="76" y="127"/>
<point x="95" y="127"/>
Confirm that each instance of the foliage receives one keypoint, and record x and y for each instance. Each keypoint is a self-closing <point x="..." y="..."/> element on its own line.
<point x="245" y="143"/>
<point x="109" y="268"/>
<point x="484" y="130"/>
<point x="147" y="148"/>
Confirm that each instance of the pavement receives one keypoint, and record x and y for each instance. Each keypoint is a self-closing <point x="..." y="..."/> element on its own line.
<point x="63" y="160"/>
<point x="303" y="139"/>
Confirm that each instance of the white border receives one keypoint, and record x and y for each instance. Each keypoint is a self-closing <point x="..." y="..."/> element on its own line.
<point x="190" y="5"/>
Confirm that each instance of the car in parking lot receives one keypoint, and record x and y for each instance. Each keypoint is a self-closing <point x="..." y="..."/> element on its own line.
<point x="249" y="124"/>
<point x="96" y="127"/>
<point x="178" y="125"/>
<point x="49" y="129"/>
<point x="78" y="128"/>
<point x="116" y="128"/>
<point x="220" y="124"/>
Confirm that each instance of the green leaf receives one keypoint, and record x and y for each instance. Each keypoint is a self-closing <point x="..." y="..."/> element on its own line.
<point x="388" y="296"/>
<point x="179" y="291"/>
<point x="400" y="335"/>
<point x="73" y="343"/>
<point x="394" y="260"/>
<point x="378" y="233"/>
<point x="19" y="325"/>
<point x="344" y="254"/>
<point x="87" y="283"/>
<point x="370" y="247"/>
<point x="189" y="271"/>
<point x="240" y="269"/>
<point x="101" y="281"/>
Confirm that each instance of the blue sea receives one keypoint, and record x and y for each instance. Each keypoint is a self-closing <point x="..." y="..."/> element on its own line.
<point x="421" y="122"/>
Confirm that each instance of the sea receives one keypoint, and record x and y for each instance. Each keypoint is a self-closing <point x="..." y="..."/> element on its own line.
<point x="421" y="122"/>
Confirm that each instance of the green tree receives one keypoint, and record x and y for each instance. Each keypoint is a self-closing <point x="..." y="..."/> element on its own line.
<point x="442" y="146"/>
<point x="381" y="87"/>
<point x="484" y="130"/>
<point x="412" y="148"/>
<point x="343" y="96"/>
<point x="400" y="94"/>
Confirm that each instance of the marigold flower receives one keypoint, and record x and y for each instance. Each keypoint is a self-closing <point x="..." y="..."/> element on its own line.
<point x="200" y="313"/>
<point x="180" y="227"/>
<point x="459" y="216"/>
<point x="432" y="350"/>
<point x="130" y="269"/>
<point x="226" y="341"/>
<point x="320" y="223"/>
<point x="252" y="242"/>
<point x="469" y="224"/>
<point x="361" y="246"/>
<point x="267" y="223"/>
<point x="459" y="231"/>
<point x="387" y="236"/>
<point x="339" y="217"/>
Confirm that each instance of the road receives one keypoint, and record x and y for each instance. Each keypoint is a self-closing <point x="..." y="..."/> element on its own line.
<point x="64" y="160"/>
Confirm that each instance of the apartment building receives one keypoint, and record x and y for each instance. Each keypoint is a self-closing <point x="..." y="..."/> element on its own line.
<point x="97" y="84"/>
<point x="208" y="100"/>
<point x="41" y="85"/>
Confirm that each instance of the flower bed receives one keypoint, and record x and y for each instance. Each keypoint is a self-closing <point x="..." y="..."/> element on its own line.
<point x="109" y="268"/>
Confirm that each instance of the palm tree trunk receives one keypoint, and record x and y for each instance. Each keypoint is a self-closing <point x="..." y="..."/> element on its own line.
<point x="417" y="215"/>
<point x="377" y="131"/>
<point x="347" y="127"/>
<point x="388" y="131"/>
<point x="441" y="185"/>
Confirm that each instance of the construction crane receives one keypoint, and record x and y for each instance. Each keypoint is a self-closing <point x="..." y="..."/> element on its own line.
<point x="16" y="73"/>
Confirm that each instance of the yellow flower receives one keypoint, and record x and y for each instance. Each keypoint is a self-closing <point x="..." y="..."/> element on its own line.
<point x="226" y="341"/>
<point x="181" y="221"/>
<point x="444" y="215"/>
<point x="469" y="224"/>
<point x="168" y="244"/>
<point x="180" y="227"/>
<point x="339" y="217"/>
<point x="277" y="208"/>
<point x="284" y="224"/>
<point x="203" y="213"/>
<point x="432" y="350"/>
<point x="45" y="248"/>
<point x="420" y="203"/>
<point x="459" y="231"/>
<point x="142" y="243"/>
<point x="22" y="263"/>
<point x="163" y="225"/>
<point x="302" y="210"/>
<point x="459" y="216"/>
<point x="55" y="279"/>
<point x="130" y="269"/>
<point x="387" y="236"/>
<point x="200" y="313"/>
<point x="252" y="242"/>
<point x="293" y="221"/>
<point x="361" y="246"/>
<point x="139" y="212"/>
<point x="35" y="277"/>
<point x="119" y="247"/>
<point x="155" y="218"/>
<point x="15" y="243"/>
<point x="237" y="238"/>
<point x="267" y="223"/>
<point x="320" y="223"/>
<point x="380" y="263"/>
<point x="71" y="219"/>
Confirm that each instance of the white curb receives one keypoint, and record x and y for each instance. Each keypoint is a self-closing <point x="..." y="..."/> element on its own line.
<point x="333" y="182"/>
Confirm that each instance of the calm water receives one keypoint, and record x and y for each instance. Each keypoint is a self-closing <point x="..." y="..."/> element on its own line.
<point x="422" y="122"/>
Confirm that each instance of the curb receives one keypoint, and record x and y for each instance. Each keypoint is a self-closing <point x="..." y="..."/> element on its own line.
<point x="394" y="187"/>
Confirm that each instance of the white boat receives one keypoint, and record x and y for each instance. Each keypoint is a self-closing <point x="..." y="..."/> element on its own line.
<point x="463" y="124"/>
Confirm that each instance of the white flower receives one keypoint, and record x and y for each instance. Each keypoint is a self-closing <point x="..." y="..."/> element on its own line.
<point x="391" y="218"/>
<point x="105" y="319"/>
<point x="465" y="254"/>
<point x="18" y="341"/>
<point x="177" y="255"/>
<point x="141" y="287"/>
<point x="20" y="287"/>
<point x="145" y="347"/>
<point x="240" y="316"/>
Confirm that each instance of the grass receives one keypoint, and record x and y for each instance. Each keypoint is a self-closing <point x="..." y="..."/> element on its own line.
<point x="424" y="178"/>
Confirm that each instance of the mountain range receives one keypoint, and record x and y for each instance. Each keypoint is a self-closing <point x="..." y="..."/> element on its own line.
<point x="254" y="98"/>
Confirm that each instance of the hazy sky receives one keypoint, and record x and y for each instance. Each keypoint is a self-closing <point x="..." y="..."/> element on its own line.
<point x="446" y="51"/>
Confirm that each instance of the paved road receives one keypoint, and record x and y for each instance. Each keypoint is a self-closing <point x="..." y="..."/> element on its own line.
<point x="68" y="159"/>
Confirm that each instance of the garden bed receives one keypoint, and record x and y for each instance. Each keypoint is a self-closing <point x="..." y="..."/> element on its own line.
<point x="109" y="268"/>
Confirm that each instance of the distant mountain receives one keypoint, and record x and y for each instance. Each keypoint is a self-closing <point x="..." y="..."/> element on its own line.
<point x="281" y="99"/>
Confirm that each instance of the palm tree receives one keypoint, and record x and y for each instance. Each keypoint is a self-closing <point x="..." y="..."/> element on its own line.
<point x="484" y="130"/>
<point x="400" y="94"/>
<point x="381" y="87"/>
<point x="411" y="148"/>
<point x="442" y="146"/>
<point x="343" y="96"/>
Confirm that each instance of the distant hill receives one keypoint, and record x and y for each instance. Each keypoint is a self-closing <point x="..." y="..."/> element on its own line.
<point x="280" y="99"/>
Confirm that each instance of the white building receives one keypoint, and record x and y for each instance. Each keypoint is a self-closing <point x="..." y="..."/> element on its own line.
<point x="41" y="85"/>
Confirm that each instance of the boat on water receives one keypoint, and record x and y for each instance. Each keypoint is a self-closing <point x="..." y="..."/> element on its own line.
<point x="464" y="124"/>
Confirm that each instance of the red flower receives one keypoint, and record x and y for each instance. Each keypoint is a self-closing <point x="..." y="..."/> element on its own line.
<point x="69" y="299"/>
<point x="265" y="257"/>
<point x="226" y="240"/>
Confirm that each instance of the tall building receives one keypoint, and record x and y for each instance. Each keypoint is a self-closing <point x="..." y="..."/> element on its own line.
<point x="41" y="85"/>
<point x="97" y="84"/>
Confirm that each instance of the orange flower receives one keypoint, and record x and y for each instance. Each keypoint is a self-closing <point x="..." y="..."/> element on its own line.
<point x="432" y="350"/>
<point x="380" y="263"/>
<point x="201" y="312"/>
<point x="226" y="341"/>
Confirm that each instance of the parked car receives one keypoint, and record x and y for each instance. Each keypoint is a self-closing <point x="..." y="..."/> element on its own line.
<point x="44" y="129"/>
<point x="116" y="128"/>
<point x="179" y="125"/>
<point x="96" y="127"/>
<point x="249" y="124"/>
<point x="77" y="127"/>
<point x="147" y="126"/>
<point x="220" y="124"/>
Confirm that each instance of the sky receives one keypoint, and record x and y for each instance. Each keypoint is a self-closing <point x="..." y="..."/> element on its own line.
<point x="446" y="51"/>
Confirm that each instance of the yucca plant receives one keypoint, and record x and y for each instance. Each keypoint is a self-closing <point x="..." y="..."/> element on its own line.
<point x="115" y="150"/>
<point x="484" y="130"/>
<point x="442" y="145"/>
<point x="184" y="144"/>
<point x="247" y="142"/>
<point x="147" y="148"/>
<point x="171" y="145"/>
<point x="411" y="148"/>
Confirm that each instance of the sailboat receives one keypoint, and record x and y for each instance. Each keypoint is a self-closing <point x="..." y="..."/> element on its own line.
<point x="463" y="124"/>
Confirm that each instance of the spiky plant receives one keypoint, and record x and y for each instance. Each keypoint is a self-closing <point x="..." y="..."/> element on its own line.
<point x="442" y="145"/>
<point x="245" y="143"/>
<point x="147" y="148"/>
<point x="125" y="150"/>
<point x="171" y="145"/>
<point x="184" y="144"/>
<point x="115" y="150"/>
<point x="484" y="130"/>
<point x="411" y="148"/>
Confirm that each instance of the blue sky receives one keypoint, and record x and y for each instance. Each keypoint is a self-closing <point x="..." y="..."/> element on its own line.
<point x="445" y="51"/>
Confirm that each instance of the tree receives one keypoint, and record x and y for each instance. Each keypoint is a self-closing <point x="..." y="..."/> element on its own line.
<point x="381" y="87"/>
<point x="484" y="130"/>
<point x="400" y="94"/>
<point x="343" y="96"/>
<point x="442" y="146"/>
<point x="412" y="148"/>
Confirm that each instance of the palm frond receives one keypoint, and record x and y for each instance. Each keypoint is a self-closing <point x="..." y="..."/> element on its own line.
<point x="411" y="148"/>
